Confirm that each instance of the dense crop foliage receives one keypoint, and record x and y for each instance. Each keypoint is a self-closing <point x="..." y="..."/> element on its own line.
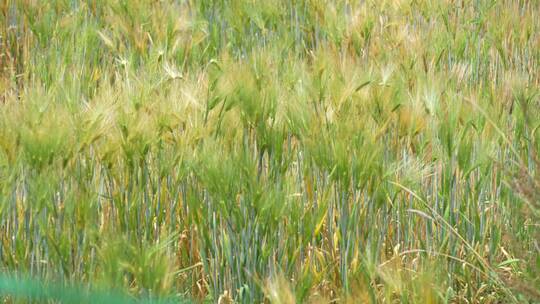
<point x="281" y="151"/>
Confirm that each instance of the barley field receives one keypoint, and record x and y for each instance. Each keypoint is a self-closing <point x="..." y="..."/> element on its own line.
<point x="278" y="151"/>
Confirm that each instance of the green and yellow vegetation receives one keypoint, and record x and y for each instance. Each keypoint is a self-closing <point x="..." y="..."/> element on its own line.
<point x="284" y="151"/>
